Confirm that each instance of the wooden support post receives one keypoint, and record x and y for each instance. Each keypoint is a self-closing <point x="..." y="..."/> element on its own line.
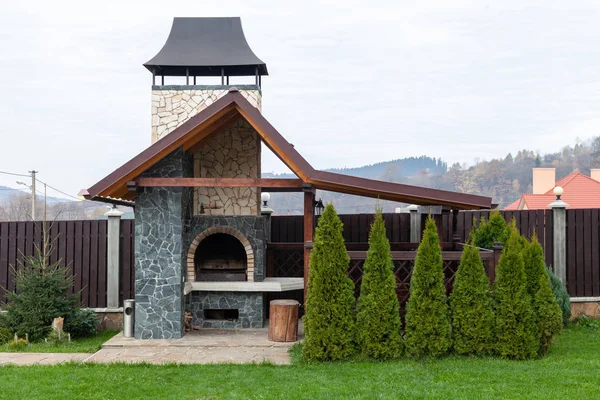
<point x="309" y="198"/>
<point x="455" y="235"/>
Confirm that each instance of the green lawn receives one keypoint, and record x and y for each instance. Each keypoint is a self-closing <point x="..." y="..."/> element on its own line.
<point x="83" y="345"/>
<point x="571" y="371"/>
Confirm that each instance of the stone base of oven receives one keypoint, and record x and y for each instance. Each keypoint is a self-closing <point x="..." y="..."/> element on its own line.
<point x="249" y="306"/>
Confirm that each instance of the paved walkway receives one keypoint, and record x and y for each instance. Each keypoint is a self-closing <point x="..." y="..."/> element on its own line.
<point x="206" y="346"/>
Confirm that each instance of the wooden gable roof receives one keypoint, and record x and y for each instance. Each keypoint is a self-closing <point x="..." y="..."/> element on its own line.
<point x="228" y="109"/>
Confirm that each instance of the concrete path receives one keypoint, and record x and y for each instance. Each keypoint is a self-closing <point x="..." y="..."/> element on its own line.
<point x="206" y="346"/>
<point x="40" y="358"/>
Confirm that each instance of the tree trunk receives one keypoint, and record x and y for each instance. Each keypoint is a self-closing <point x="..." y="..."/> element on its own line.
<point x="283" y="321"/>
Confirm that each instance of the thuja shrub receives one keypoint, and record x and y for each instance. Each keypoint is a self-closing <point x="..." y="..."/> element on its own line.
<point x="492" y="230"/>
<point x="515" y="324"/>
<point x="378" y="318"/>
<point x="535" y="267"/>
<point x="470" y="304"/>
<point x="547" y="313"/>
<point x="427" y="323"/>
<point x="561" y="295"/>
<point x="41" y="294"/>
<point x="329" y="319"/>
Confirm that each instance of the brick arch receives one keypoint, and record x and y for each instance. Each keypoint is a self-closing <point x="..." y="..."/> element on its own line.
<point x="191" y="271"/>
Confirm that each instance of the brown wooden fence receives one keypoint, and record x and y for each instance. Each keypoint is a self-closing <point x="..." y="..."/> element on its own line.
<point x="80" y="245"/>
<point x="583" y="253"/>
<point x="289" y="229"/>
<point x="286" y="260"/>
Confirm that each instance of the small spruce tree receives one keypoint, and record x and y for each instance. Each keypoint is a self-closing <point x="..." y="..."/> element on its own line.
<point x="471" y="307"/>
<point x="378" y="317"/>
<point x="427" y="323"/>
<point x="535" y="267"/>
<point x="548" y="314"/>
<point x="515" y="324"/>
<point x="561" y="295"/>
<point x="41" y="294"/>
<point x="329" y="320"/>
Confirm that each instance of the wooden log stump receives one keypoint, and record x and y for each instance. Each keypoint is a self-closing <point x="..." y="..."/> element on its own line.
<point x="283" y="320"/>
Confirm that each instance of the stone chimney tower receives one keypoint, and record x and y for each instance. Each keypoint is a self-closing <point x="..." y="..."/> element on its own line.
<point x="200" y="47"/>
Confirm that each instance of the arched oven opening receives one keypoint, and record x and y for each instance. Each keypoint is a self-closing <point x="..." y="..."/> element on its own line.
<point x="220" y="257"/>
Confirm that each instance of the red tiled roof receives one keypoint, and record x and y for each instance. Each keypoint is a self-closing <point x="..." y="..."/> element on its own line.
<point x="514" y="205"/>
<point x="580" y="191"/>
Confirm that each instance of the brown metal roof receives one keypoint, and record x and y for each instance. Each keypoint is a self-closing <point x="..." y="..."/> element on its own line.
<point x="211" y="119"/>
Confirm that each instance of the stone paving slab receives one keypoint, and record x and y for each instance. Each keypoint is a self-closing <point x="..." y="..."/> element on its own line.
<point x="205" y="338"/>
<point x="192" y="355"/>
<point x="40" y="358"/>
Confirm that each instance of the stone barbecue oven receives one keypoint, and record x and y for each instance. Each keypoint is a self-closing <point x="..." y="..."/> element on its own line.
<point x="201" y="235"/>
<point x="220" y="254"/>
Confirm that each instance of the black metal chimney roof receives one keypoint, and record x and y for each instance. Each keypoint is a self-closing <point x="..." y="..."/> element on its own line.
<point x="206" y="47"/>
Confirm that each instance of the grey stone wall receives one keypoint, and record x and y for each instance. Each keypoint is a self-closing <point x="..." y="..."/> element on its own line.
<point x="249" y="305"/>
<point x="159" y="229"/>
<point x="253" y="228"/>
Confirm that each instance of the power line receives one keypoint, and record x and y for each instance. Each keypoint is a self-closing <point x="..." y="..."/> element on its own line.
<point x="14" y="174"/>
<point x="60" y="191"/>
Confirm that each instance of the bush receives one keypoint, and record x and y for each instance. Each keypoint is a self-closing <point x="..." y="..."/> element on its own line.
<point x="516" y="335"/>
<point x="329" y="320"/>
<point x="5" y="335"/>
<point x="470" y="305"/>
<point x="427" y="323"/>
<point x="548" y="314"/>
<point x="42" y="294"/>
<point x="561" y="295"/>
<point x="535" y="267"/>
<point x="490" y="231"/>
<point x="378" y="316"/>
<point x="20" y="344"/>
<point x="81" y="323"/>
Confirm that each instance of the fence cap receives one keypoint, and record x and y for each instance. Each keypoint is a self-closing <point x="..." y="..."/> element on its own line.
<point x="558" y="204"/>
<point x="114" y="212"/>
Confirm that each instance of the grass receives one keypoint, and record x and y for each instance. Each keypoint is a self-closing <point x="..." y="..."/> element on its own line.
<point x="83" y="345"/>
<point x="571" y="370"/>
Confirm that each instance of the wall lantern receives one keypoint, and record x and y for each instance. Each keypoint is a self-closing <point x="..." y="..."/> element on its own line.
<point x="319" y="207"/>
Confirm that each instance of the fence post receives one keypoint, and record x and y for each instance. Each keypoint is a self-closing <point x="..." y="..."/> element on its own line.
<point x="497" y="248"/>
<point x="112" y="259"/>
<point x="415" y="224"/>
<point x="560" y="236"/>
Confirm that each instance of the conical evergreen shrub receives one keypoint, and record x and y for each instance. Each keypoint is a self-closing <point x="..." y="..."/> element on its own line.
<point x="561" y="295"/>
<point x="548" y="314"/>
<point x="492" y="230"/>
<point x="329" y="319"/>
<point x="378" y="317"/>
<point x="427" y="323"/>
<point x="515" y="324"/>
<point x="471" y="306"/>
<point x="535" y="267"/>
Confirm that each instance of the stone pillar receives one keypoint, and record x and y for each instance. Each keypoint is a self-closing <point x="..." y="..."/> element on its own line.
<point x="560" y="239"/>
<point x="266" y="212"/>
<point x="415" y="224"/>
<point x="112" y="259"/>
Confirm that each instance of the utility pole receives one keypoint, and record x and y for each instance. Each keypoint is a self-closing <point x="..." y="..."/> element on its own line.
<point x="33" y="172"/>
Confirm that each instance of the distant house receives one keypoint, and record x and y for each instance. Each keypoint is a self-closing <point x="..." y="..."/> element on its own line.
<point x="579" y="190"/>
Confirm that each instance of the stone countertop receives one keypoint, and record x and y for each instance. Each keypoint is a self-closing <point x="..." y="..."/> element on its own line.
<point x="268" y="285"/>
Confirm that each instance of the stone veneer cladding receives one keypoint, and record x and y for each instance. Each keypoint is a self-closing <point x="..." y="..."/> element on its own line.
<point x="172" y="105"/>
<point x="249" y="305"/>
<point x="160" y="217"/>
<point x="233" y="153"/>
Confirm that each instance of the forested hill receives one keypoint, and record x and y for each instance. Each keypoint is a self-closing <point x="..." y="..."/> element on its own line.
<point x="503" y="179"/>
<point x="395" y="169"/>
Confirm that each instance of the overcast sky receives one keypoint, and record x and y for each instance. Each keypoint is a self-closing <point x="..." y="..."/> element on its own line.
<point x="351" y="83"/>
